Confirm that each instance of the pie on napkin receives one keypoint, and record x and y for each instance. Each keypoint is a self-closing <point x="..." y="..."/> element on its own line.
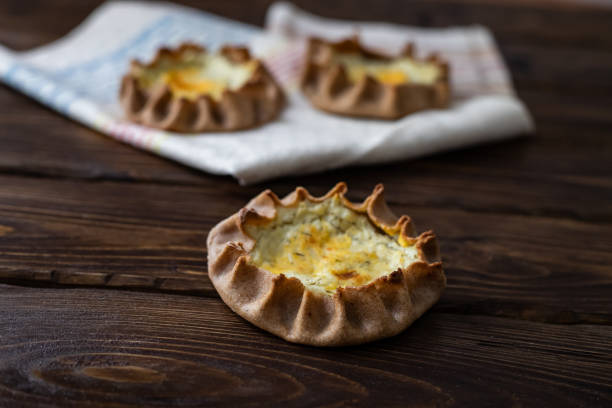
<point x="347" y="79"/>
<point x="191" y="90"/>
<point x="322" y="270"/>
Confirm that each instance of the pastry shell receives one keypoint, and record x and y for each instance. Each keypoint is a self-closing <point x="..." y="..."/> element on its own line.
<point x="350" y="315"/>
<point x="256" y="102"/>
<point x="326" y="84"/>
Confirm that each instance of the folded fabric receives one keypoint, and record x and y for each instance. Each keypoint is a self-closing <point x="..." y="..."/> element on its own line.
<point x="79" y="76"/>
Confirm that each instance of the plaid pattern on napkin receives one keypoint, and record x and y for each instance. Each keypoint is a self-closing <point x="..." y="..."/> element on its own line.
<point x="476" y="66"/>
<point x="79" y="77"/>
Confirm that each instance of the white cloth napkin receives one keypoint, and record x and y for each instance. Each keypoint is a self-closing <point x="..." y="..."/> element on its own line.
<point x="79" y="76"/>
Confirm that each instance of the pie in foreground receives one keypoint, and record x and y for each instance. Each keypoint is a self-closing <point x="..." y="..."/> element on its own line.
<point x="191" y="90"/>
<point x="347" y="79"/>
<point x="322" y="270"/>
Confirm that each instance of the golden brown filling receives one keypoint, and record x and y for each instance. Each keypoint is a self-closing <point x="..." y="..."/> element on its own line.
<point x="189" y="83"/>
<point x="327" y="246"/>
<point x="198" y="74"/>
<point x="393" y="72"/>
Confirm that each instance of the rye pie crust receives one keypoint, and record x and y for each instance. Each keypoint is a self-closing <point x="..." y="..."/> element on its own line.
<point x="347" y="79"/>
<point x="324" y="271"/>
<point x="191" y="90"/>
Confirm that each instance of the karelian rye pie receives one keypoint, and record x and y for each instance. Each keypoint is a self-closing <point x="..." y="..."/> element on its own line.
<point x="190" y="90"/>
<point x="347" y="79"/>
<point x="324" y="271"/>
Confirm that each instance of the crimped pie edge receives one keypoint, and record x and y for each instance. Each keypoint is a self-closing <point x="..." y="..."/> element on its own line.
<point x="327" y="87"/>
<point x="258" y="101"/>
<point x="351" y="315"/>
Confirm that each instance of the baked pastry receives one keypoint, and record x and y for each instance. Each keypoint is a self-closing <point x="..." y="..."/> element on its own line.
<point x="324" y="271"/>
<point x="190" y="90"/>
<point x="347" y="79"/>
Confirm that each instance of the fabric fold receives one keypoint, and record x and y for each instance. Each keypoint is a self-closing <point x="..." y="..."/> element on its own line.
<point x="79" y="76"/>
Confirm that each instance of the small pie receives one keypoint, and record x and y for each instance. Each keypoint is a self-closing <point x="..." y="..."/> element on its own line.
<point x="346" y="79"/>
<point x="324" y="271"/>
<point x="190" y="90"/>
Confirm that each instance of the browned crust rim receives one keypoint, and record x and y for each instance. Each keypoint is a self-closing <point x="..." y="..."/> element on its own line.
<point x="352" y="315"/>
<point x="326" y="84"/>
<point x="258" y="101"/>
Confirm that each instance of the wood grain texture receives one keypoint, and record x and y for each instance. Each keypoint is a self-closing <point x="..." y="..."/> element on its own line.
<point x="114" y="307"/>
<point x="530" y="21"/>
<point x="135" y="235"/>
<point x="111" y="348"/>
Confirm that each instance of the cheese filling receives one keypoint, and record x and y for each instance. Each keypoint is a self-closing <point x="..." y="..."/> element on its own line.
<point x="327" y="246"/>
<point x="198" y="74"/>
<point x="394" y="72"/>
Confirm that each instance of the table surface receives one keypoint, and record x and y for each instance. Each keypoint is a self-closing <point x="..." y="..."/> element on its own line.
<point x="105" y="299"/>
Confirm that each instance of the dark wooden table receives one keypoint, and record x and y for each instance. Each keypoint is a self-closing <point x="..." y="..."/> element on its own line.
<point x="104" y="296"/>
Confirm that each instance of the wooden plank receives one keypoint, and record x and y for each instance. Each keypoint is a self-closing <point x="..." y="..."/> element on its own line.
<point x="546" y="167"/>
<point x="548" y="162"/>
<point x="525" y="228"/>
<point x="529" y="21"/>
<point x="151" y="236"/>
<point x="539" y="22"/>
<point x="541" y="171"/>
<point x="38" y="141"/>
<point x="113" y="348"/>
<point x="544" y="67"/>
<point x="570" y="108"/>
